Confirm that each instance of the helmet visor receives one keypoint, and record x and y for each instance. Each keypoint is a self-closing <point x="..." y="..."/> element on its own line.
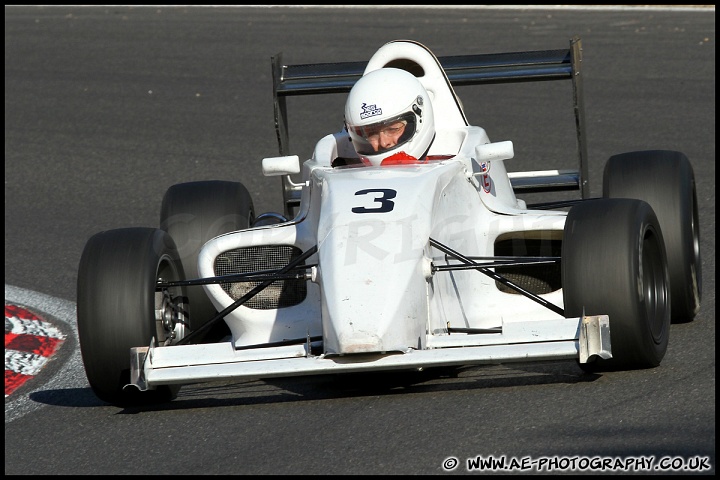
<point x="380" y="137"/>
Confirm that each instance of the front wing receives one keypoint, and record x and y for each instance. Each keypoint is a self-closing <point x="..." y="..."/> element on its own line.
<point x="580" y="339"/>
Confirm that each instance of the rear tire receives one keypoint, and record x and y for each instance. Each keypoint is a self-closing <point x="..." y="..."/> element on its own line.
<point x="193" y="213"/>
<point x="666" y="181"/>
<point x="614" y="263"/>
<point x="118" y="308"/>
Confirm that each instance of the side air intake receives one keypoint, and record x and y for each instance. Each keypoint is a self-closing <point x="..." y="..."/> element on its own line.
<point x="281" y="293"/>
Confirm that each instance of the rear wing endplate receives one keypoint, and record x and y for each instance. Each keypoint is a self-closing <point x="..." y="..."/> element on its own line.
<point x="514" y="67"/>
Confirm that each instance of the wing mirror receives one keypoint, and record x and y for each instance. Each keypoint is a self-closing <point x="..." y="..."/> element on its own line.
<point x="286" y="165"/>
<point x="487" y="153"/>
<point x="494" y="151"/>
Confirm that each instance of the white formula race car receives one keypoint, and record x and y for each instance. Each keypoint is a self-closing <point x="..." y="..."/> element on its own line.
<point x="422" y="264"/>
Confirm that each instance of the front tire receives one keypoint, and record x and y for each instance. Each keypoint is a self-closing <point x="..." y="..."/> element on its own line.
<point x="118" y="307"/>
<point x="614" y="263"/>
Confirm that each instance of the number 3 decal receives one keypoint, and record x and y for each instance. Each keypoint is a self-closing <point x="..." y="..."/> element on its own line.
<point x="386" y="205"/>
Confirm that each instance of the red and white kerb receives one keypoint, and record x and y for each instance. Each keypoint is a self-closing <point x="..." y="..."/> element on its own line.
<point x="29" y="344"/>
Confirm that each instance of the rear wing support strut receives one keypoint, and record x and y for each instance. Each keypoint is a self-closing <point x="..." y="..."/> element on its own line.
<point x="514" y="67"/>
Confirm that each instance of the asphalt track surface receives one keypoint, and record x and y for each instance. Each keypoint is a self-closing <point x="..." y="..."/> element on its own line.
<point x="107" y="107"/>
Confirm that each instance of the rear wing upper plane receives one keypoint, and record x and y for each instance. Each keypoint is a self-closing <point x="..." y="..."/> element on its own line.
<point x="513" y="67"/>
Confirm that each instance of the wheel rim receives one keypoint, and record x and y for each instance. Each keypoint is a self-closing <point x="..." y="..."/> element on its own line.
<point x="696" y="276"/>
<point x="170" y="307"/>
<point x="655" y="287"/>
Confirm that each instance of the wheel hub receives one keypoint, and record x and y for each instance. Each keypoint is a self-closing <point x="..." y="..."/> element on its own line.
<point x="169" y="317"/>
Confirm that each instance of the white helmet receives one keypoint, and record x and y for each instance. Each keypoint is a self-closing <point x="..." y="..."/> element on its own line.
<point x="389" y="117"/>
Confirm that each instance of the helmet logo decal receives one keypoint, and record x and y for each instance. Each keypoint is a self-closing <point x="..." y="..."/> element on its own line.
<point x="370" y="111"/>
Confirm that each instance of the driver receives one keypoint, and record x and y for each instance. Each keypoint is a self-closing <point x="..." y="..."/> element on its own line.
<point x="389" y="117"/>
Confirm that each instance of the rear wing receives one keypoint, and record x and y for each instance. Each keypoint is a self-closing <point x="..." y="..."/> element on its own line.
<point x="514" y="67"/>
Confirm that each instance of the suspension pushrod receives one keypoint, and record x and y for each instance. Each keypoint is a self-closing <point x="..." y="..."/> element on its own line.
<point x="519" y="263"/>
<point x="258" y="276"/>
<point x="483" y="269"/>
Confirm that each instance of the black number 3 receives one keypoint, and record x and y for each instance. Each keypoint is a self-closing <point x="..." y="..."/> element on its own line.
<point x="386" y="205"/>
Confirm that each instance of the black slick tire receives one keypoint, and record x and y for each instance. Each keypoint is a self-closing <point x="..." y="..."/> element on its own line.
<point x="614" y="263"/>
<point x="193" y="213"/>
<point x="116" y="307"/>
<point x="666" y="181"/>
